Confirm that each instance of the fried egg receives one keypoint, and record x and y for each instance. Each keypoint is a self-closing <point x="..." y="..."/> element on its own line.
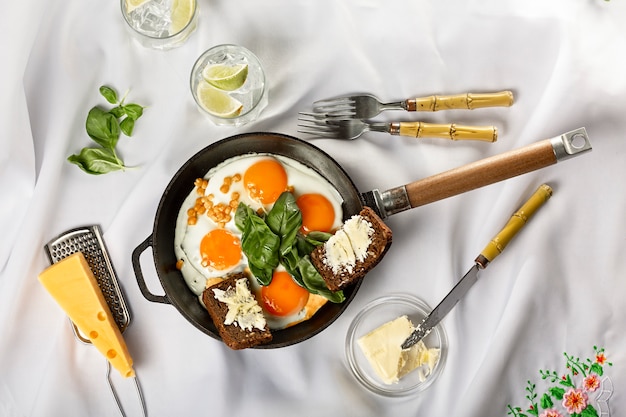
<point x="207" y="242"/>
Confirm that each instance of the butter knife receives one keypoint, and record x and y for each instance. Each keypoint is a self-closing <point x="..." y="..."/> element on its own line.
<point x="491" y="251"/>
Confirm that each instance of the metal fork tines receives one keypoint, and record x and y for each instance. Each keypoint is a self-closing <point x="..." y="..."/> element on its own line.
<point x="365" y="106"/>
<point x="362" y="106"/>
<point x="337" y="127"/>
<point x="325" y="126"/>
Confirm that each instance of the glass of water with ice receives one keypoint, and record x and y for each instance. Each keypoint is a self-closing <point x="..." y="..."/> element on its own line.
<point x="228" y="84"/>
<point x="160" y="24"/>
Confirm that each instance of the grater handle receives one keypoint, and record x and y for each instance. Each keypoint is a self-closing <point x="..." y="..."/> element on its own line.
<point x="139" y="274"/>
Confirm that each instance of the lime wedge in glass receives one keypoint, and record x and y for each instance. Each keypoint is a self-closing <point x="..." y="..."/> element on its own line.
<point x="217" y="102"/>
<point x="182" y="12"/>
<point x="226" y="77"/>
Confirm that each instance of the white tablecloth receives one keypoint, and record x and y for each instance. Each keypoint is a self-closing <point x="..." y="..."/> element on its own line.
<point x="559" y="286"/>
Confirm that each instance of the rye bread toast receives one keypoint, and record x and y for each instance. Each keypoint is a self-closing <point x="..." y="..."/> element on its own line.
<point x="232" y="334"/>
<point x="338" y="277"/>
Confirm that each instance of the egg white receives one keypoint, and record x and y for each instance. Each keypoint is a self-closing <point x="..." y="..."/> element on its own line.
<point x="187" y="237"/>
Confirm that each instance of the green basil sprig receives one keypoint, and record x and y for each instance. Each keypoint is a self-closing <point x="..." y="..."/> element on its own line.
<point x="276" y="239"/>
<point x="259" y="243"/>
<point x="104" y="128"/>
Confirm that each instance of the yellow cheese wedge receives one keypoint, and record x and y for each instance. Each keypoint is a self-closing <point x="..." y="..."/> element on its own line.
<point x="74" y="287"/>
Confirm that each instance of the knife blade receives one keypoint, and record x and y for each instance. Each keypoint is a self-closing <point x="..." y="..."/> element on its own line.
<point x="488" y="254"/>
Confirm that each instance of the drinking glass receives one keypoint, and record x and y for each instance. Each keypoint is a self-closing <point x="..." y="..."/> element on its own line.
<point x="160" y="24"/>
<point x="249" y="100"/>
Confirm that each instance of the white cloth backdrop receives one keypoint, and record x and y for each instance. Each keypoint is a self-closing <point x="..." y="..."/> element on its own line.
<point x="558" y="287"/>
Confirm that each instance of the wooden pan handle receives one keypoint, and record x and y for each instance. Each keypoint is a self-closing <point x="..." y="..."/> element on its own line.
<point x="467" y="101"/>
<point x="478" y="174"/>
<point x="450" y="131"/>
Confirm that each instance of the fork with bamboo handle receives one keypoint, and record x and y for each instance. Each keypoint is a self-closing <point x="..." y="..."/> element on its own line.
<point x="347" y="128"/>
<point x="450" y="131"/>
<point x="365" y="106"/>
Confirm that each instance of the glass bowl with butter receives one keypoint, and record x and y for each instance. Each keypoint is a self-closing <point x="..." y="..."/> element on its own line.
<point x="374" y="353"/>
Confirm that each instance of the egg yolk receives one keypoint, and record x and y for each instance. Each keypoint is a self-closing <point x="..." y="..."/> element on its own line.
<point x="317" y="213"/>
<point x="265" y="180"/>
<point x="283" y="296"/>
<point x="220" y="249"/>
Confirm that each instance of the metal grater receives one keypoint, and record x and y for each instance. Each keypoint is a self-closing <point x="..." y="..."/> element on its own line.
<point x="89" y="241"/>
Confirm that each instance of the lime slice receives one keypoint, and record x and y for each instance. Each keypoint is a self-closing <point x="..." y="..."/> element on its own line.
<point x="217" y="102"/>
<point x="182" y="12"/>
<point x="226" y="77"/>
<point x="133" y="4"/>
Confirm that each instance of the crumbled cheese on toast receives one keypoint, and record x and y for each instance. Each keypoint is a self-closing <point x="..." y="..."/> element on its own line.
<point x="243" y="308"/>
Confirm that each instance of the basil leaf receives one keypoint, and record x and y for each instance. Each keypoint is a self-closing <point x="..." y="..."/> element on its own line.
<point x="260" y="246"/>
<point x="318" y="238"/>
<point x="127" y="125"/>
<point x="103" y="128"/>
<point x="262" y="275"/>
<point x="306" y="244"/>
<point x="134" y="111"/>
<point x="241" y="216"/>
<point x="290" y="262"/>
<point x="314" y="282"/>
<point x="97" y="161"/>
<point x="276" y="239"/>
<point x="109" y="94"/>
<point x="117" y="111"/>
<point x="285" y="220"/>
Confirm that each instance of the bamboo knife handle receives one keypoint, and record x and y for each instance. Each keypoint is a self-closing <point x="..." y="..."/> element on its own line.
<point x="445" y="131"/>
<point x="514" y="225"/>
<point x="460" y="101"/>
<point x="480" y="173"/>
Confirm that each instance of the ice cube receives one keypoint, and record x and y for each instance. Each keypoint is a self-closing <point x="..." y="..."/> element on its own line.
<point x="153" y="18"/>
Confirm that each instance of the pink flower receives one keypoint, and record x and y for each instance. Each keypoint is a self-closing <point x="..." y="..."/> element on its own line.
<point x="551" y="413"/>
<point x="575" y="401"/>
<point x="591" y="383"/>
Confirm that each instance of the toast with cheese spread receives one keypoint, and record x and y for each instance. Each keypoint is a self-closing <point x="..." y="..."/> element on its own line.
<point x="236" y="313"/>
<point x="353" y="250"/>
